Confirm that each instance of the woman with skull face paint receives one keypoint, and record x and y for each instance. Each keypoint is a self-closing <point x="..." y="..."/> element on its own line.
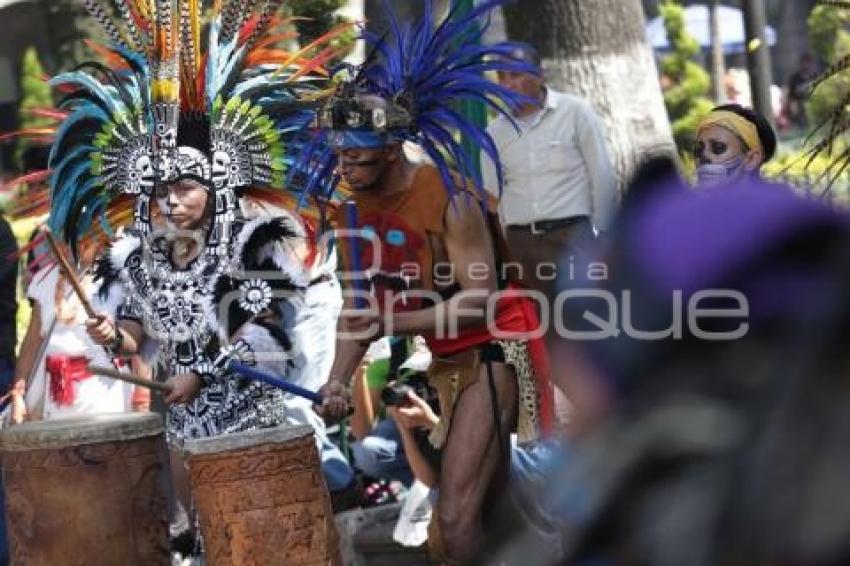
<point x="732" y="142"/>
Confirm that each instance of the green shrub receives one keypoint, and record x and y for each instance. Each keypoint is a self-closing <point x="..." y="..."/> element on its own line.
<point x="831" y="41"/>
<point x="319" y="17"/>
<point x="36" y="94"/>
<point x="685" y="97"/>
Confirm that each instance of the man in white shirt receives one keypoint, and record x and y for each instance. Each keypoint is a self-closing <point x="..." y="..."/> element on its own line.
<point x="559" y="183"/>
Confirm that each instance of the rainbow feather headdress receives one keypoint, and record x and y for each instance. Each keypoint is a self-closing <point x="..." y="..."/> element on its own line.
<point x="163" y="105"/>
<point x="411" y="87"/>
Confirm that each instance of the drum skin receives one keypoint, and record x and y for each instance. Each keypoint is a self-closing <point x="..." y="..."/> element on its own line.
<point x="86" y="491"/>
<point x="262" y="500"/>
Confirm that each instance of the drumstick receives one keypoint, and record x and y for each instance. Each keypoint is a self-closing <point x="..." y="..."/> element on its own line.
<point x="130" y="378"/>
<point x="70" y="275"/>
<point x="353" y="249"/>
<point x="275" y="381"/>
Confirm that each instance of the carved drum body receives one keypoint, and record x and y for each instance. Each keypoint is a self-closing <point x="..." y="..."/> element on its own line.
<point x="86" y="491"/>
<point x="261" y="499"/>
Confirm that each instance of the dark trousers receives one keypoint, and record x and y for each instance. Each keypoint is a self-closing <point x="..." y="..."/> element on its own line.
<point x="544" y="257"/>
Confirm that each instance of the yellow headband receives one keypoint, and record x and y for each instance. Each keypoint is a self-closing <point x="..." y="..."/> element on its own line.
<point x="745" y="129"/>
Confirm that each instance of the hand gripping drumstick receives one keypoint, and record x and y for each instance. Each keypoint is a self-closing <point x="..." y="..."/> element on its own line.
<point x="70" y="275"/>
<point x="157" y="386"/>
<point x="246" y="371"/>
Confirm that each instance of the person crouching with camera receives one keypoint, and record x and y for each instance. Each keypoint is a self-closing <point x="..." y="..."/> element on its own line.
<point x="390" y="369"/>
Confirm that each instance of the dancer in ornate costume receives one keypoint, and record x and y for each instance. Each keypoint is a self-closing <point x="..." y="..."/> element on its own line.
<point x="196" y="139"/>
<point x="434" y="252"/>
<point x="187" y="145"/>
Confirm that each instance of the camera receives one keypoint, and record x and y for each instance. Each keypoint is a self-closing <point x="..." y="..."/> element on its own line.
<point x="396" y="394"/>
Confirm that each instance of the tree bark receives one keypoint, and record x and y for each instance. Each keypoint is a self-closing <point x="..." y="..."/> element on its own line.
<point x="792" y="37"/>
<point x="718" y="63"/>
<point x="758" y="57"/>
<point x="597" y="49"/>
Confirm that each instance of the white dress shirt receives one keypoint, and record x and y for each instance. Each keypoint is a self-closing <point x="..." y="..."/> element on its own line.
<point x="557" y="166"/>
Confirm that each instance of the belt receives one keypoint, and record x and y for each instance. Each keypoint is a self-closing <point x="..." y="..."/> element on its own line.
<point x="544" y="226"/>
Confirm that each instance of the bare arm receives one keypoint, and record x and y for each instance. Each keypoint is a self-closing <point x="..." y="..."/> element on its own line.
<point x="422" y="470"/>
<point x="349" y="355"/>
<point x="416" y="413"/>
<point x="364" y="401"/>
<point x="29" y="349"/>
<point x="349" y="352"/>
<point x="470" y="250"/>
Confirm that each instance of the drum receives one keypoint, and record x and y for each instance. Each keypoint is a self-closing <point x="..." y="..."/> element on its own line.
<point x="261" y="498"/>
<point x="87" y="490"/>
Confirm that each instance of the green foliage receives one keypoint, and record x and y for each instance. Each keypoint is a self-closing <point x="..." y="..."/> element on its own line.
<point x="831" y="41"/>
<point x="687" y="82"/>
<point x="36" y="94"/>
<point x="320" y="17"/>
<point x="811" y="177"/>
<point x="826" y="25"/>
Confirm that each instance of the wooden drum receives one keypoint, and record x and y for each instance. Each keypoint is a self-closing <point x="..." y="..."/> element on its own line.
<point x="87" y="490"/>
<point x="261" y="498"/>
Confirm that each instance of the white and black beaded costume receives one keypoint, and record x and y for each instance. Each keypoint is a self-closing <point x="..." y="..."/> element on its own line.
<point x="227" y="108"/>
<point x="183" y="314"/>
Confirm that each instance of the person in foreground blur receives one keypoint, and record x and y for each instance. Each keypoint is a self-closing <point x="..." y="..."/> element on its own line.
<point x="721" y="439"/>
<point x="732" y="142"/>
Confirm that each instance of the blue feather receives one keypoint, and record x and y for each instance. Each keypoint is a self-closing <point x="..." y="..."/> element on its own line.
<point x="434" y="69"/>
<point x="89" y="83"/>
<point x="64" y="196"/>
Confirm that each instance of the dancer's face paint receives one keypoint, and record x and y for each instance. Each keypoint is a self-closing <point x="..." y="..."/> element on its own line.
<point x="362" y="168"/>
<point x="183" y="203"/>
<point x="721" y="156"/>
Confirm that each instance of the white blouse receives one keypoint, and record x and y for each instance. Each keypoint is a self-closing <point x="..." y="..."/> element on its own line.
<point x="96" y="394"/>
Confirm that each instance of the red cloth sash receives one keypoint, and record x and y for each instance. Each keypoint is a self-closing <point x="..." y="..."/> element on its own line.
<point x="64" y="372"/>
<point x="516" y="319"/>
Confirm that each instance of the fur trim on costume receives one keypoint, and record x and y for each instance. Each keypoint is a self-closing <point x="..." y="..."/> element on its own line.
<point x="271" y="239"/>
<point x="107" y="269"/>
<point x="269" y="274"/>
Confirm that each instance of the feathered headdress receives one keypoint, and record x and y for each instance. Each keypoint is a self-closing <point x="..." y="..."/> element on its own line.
<point x="411" y="87"/>
<point x="164" y="105"/>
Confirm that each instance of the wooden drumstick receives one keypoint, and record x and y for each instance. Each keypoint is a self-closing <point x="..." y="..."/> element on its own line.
<point x="130" y="378"/>
<point x="70" y="274"/>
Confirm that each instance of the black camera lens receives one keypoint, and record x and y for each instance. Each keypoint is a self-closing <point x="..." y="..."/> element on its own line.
<point x="395" y="395"/>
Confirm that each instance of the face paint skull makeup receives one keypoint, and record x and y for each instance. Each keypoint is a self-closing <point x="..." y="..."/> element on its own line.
<point x="719" y="155"/>
<point x="711" y="174"/>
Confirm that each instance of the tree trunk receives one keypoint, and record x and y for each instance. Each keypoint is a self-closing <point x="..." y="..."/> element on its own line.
<point x="718" y="63"/>
<point x="758" y="57"/>
<point x="792" y="37"/>
<point x="597" y="49"/>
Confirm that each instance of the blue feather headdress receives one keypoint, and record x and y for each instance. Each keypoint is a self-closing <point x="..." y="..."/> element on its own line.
<point x="410" y="88"/>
